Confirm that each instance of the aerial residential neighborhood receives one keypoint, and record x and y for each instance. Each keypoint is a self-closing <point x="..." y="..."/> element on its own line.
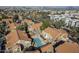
<point x="39" y="29"/>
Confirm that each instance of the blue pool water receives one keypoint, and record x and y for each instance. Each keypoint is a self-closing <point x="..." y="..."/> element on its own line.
<point x="37" y="42"/>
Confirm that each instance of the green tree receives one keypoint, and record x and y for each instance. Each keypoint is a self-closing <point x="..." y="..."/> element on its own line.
<point x="2" y="42"/>
<point x="59" y="24"/>
<point x="23" y="27"/>
<point x="45" y="24"/>
<point x="20" y="27"/>
<point x="15" y="18"/>
<point x="3" y="27"/>
<point x="0" y="18"/>
<point x="26" y="27"/>
<point x="3" y="16"/>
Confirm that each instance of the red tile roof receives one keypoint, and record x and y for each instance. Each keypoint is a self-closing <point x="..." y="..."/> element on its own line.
<point x="68" y="48"/>
<point x="11" y="39"/>
<point x="26" y="20"/>
<point x="36" y="26"/>
<point x="46" y="48"/>
<point x="56" y="33"/>
<point x="23" y="36"/>
<point x="12" y="26"/>
<point x="14" y="36"/>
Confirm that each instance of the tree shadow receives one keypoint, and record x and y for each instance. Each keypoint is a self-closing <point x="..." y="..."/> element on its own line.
<point x="57" y="44"/>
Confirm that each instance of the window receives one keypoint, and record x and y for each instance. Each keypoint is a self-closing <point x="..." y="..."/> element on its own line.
<point x="46" y="36"/>
<point x="77" y="24"/>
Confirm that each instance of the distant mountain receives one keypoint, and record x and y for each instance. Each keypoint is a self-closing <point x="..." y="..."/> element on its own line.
<point x="40" y="7"/>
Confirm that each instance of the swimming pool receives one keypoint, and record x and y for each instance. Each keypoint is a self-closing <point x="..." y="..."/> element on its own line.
<point x="38" y="42"/>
